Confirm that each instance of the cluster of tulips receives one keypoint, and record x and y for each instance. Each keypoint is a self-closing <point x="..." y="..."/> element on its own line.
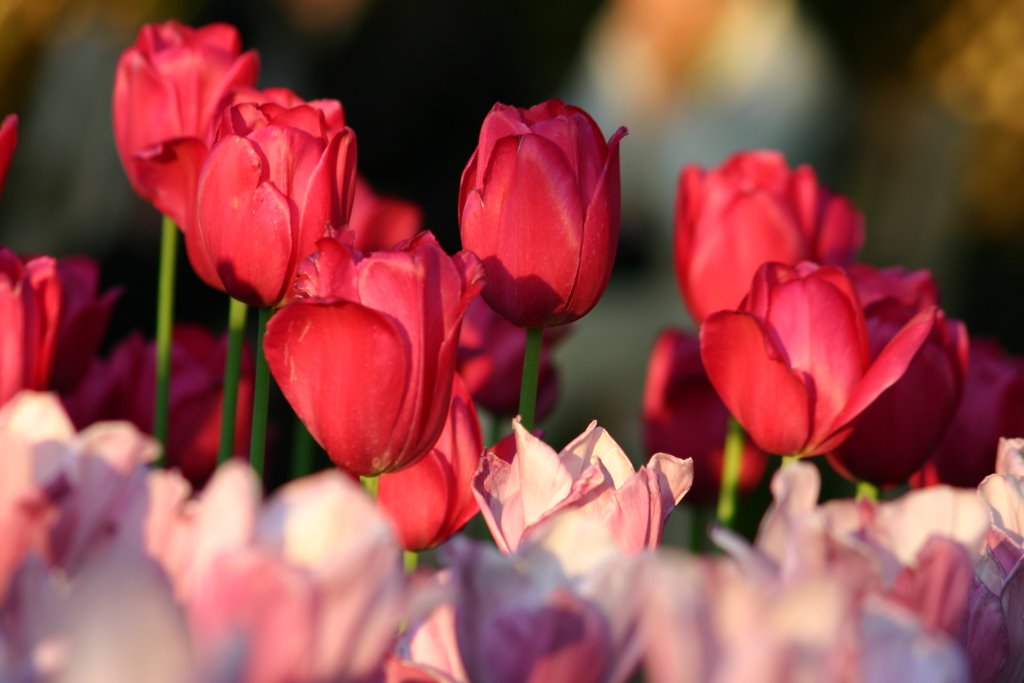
<point x="126" y="557"/>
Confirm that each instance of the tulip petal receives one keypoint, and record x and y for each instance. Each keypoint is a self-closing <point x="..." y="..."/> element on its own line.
<point x="766" y="397"/>
<point x="318" y="352"/>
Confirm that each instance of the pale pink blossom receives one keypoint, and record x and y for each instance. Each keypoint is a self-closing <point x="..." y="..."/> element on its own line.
<point x="593" y="474"/>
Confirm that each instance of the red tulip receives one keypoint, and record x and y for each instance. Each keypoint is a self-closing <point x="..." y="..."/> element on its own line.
<point x="121" y="388"/>
<point x="794" y="363"/>
<point x="84" y="314"/>
<point x="430" y="501"/>
<point x="381" y="222"/>
<point x="366" y="355"/>
<point x="8" y="141"/>
<point x="897" y="432"/>
<point x="539" y="204"/>
<point x="992" y="405"/>
<point x="169" y="91"/>
<point x="30" y="303"/>
<point x="753" y="209"/>
<point x="277" y="180"/>
<point x="683" y="415"/>
<point x="491" y="361"/>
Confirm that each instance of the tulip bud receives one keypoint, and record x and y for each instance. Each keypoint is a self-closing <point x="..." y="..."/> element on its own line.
<point x="539" y="204"/>
<point x="750" y="210"/>
<point x="8" y="141"/>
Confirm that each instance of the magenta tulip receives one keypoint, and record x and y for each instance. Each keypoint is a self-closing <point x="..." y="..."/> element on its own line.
<point x="8" y="141"/>
<point x="366" y="354"/>
<point x="794" y="364"/>
<point x="277" y="181"/>
<point x="752" y="209"/>
<point x="898" y="431"/>
<point x="539" y="204"/>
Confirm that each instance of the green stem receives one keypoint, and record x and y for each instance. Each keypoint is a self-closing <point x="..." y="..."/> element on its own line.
<point x="788" y="460"/>
<point x="302" y="450"/>
<point x="237" y="313"/>
<point x="370" y="485"/>
<point x="164" y="328"/>
<point x="867" y="491"/>
<point x="531" y="373"/>
<point x="732" y="466"/>
<point x="260" y="396"/>
<point x="410" y="559"/>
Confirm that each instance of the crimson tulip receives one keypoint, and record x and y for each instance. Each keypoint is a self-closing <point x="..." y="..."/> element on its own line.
<point x="491" y="362"/>
<point x="30" y="301"/>
<point x="381" y="222"/>
<point x="366" y="354"/>
<point x="992" y="405"/>
<point x="539" y="204"/>
<point x="430" y="501"/>
<point x="8" y="141"/>
<point x="683" y="415"/>
<point x="169" y="90"/>
<point x="897" y="432"/>
<point x="121" y="388"/>
<point x="752" y="209"/>
<point x="84" y="314"/>
<point x="278" y="180"/>
<point x="794" y="364"/>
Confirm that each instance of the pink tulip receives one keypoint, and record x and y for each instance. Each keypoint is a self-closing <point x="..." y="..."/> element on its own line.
<point x="431" y="500"/>
<point x="169" y="90"/>
<point x="593" y="474"/>
<point x="539" y="204"/>
<point x="684" y="416"/>
<point x="277" y="181"/>
<point x="751" y="210"/>
<point x="366" y="354"/>
<point x="8" y="141"/>
<point x="794" y="364"/>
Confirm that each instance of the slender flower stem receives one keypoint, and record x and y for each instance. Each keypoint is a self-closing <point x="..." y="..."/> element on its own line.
<point x="260" y="396"/>
<point x="531" y="373"/>
<point x="237" y="313"/>
<point x="867" y="491"/>
<point x="732" y="466"/>
<point x="410" y="559"/>
<point x="302" y="450"/>
<point x="789" y="460"/>
<point x="164" y="328"/>
<point x="370" y="485"/>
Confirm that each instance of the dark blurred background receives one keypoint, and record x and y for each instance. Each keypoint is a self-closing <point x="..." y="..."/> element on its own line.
<point x="912" y="108"/>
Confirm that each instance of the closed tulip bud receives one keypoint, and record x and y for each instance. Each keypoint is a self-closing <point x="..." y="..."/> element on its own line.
<point x="683" y="415"/>
<point x="897" y="432"/>
<point x="30" y="303"/>
<point x="794" y="364"/>
<point x="430" y="501"/>
<point x="366" y="354"/>
<point x="991" y="406"/>
<point x="8" y="141"/>
<point x="277" y="181"/>
<point x="169" y="91"/>
<point x="539" y="204"/>
<point x="750" y="210"/>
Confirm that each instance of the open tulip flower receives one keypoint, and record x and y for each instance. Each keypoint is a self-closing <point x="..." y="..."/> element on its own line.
<point x="539" y="204"/>
<point x="278" y="180"/>
<point x="752" y="209"/>
<point x="366" y="353"/>
<point x="593" y="474"/>
<point x="794" y="364"/>
<point x="169" y="91"/>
